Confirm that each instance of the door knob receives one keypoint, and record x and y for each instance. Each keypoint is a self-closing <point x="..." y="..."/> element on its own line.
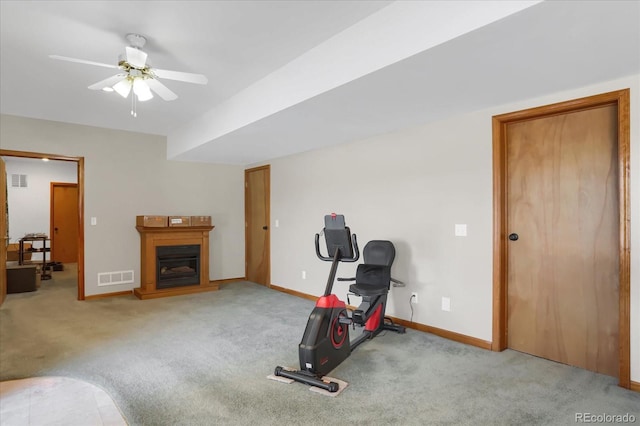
<point x="265" y="227"/>
<point x="513" y="237"/>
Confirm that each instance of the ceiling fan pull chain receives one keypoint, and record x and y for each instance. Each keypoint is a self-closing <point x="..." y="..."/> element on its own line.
<point x="133" y="106"/>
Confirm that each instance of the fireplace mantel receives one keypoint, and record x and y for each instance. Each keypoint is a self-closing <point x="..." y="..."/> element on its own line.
<point x="150" y="238"/>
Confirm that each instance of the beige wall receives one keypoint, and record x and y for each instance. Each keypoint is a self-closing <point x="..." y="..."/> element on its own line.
<point x="127" y="174"/>
<point x="412" y="187"/>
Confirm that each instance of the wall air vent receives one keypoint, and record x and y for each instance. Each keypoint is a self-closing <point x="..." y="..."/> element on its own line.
<point x="18" y="181"/>
<point x="113" y="278"/>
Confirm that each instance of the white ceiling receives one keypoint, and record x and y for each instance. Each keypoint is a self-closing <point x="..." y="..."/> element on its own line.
<point x="543" y="48"/>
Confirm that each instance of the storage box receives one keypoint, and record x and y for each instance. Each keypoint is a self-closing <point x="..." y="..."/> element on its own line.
<point x="179" y="221"/>
<point x="21" y="278"/>
<point x="152" y="221"/>
<point x="13" y="252"/>
<point x="200" y="220"/>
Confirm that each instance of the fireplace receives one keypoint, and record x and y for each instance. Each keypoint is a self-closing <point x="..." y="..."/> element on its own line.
<point x="177" y="266"/>
<point x="174" y="261"/>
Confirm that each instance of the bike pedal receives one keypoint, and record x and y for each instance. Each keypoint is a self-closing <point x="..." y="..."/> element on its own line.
<point x="358" y="317"/>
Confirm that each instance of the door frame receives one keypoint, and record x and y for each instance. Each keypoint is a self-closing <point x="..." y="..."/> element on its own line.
<point x="80" y="163"/>
<point x="266" y="167"/>
<point x="4" y="239"/>
<point x="620" y="98"/>
<point x="52" y="186"/>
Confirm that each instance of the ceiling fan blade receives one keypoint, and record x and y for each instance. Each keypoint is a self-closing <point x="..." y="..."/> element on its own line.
<point x="82" y="61"/>
<point x="108" y="82"/>
<point x="162" y="90"/>
<point x="180" y="76"/>
<point x="136" y="57"/>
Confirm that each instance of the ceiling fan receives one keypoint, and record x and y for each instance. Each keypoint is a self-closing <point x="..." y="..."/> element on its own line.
<point x="135" y="74"/>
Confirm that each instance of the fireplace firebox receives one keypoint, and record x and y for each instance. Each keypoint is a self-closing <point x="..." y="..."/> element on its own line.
<point x="177" y="266"/>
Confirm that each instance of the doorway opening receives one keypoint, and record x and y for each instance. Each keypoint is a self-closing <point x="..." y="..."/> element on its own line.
<point x="79" y="161"/>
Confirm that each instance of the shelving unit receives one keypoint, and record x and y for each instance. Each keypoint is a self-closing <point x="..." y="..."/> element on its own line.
<point x="45" y="273"/>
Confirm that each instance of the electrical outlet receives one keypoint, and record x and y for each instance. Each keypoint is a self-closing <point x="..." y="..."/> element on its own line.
<point x="446" y="304"/>
<point x="414" y="297"/>
<point x="304" y="275"/>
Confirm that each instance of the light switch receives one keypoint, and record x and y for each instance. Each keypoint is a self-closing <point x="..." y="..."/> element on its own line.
<point x="277" y="223"/>
<point x="446" y="304"/>
<point x="94" y="221"/>
<point x="461" y="230"/>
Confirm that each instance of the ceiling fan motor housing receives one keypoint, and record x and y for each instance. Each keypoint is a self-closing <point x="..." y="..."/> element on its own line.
<point x="136" y="40"/>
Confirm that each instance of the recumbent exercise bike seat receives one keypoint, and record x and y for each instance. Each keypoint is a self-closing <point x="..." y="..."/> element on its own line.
<point x="373" y="277"/>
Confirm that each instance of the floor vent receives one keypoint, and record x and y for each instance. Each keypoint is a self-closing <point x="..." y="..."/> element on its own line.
<point x="113" y="278"/>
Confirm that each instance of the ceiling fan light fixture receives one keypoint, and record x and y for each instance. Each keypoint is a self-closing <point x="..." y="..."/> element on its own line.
<point x="123" y="87"/>
<point x="142" y="90"/>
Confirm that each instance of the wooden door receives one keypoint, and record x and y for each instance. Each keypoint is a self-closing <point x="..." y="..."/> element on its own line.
<point x="4" y="239"/>
<point x="563" y="268"/>
<point x="257" y="242"/>
<point x="64" y="222"/>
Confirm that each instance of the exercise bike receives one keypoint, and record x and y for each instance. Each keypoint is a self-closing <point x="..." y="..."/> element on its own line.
<point x="325" y="343"/>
